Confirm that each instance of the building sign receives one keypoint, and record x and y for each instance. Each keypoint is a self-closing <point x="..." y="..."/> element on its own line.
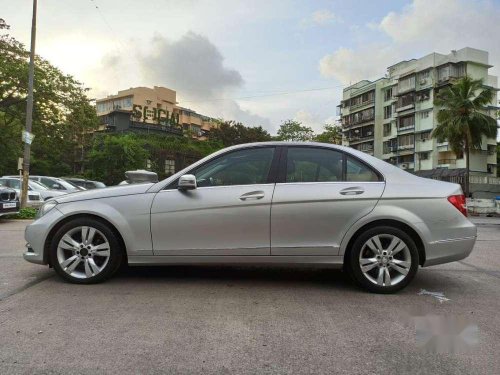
<point x="156" y="115"/>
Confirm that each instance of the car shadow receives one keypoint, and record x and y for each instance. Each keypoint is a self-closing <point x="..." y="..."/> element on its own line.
<point x="240" y="275"/>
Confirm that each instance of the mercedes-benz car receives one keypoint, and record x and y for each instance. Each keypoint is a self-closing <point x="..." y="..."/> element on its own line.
<point x="262" y="203"/>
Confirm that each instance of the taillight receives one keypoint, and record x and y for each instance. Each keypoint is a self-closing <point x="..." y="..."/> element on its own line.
<point x="459" y="202"/>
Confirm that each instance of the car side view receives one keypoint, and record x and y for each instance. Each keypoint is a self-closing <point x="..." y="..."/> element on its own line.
<point x="262" y="203"/>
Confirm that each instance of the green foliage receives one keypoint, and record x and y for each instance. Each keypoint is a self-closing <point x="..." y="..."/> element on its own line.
<point x="24" y="214"/>
<point x="331" y="134"/>
<point x="291" y="130"/>
<point x="230" y="133"/>
<point x="463" y="119"/>
<point x="63" y="117"/>
<point x="111" y="155"/>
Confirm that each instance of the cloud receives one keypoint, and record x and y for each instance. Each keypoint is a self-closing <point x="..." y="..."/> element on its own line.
<point x="191" y="65"/>
<point x="319" y="18"/>
<point x="423" y="27"/>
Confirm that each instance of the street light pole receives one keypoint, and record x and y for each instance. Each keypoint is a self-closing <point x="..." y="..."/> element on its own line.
<point x="29" y="112"/>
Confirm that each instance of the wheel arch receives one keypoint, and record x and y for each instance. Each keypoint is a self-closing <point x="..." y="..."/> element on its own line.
<point x="392" y="223"/>
<point x="67" y="219"/>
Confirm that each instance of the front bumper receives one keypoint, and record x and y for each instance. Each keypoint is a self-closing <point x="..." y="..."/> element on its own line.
<point x="35" y="235"/>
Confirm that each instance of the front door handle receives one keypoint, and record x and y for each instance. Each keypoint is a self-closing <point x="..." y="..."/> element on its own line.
<point x="352" y="191"/>
<point x="252" y="195"/>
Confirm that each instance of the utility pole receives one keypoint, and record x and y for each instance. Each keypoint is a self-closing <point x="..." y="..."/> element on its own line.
<point x="27" y="138"/>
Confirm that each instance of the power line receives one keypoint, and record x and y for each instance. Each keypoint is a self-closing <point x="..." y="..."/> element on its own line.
<point x="265" y="95"/>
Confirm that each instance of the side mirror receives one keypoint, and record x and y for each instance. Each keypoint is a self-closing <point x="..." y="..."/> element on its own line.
<point x="187" y="182"/>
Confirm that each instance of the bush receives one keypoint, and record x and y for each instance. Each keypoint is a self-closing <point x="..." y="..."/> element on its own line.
<point x="24" y="214"/>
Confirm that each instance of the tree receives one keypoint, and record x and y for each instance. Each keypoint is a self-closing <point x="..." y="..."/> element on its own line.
<point x="230" y="133"/>
<point x="463" y="119"/>
<point x="292" y="130"/>
<point x="62" y="112"/>
<point x="331" y="134"/>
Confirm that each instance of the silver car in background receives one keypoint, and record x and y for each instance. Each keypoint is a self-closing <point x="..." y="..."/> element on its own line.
<point x="45" y="192"/>
<point x="271" y="203"/>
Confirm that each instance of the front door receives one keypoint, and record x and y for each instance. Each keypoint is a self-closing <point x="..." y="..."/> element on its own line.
<point x="322" y="194"/>
<point x="227" y="214"/>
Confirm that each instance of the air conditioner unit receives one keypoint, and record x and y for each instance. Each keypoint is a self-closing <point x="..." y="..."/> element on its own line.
<point x="404" y="166"/>
<point x="423" y="81"/>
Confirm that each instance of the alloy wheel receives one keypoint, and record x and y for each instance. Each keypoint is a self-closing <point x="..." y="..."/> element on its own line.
<point x="385" y="260"/>
<point x="83" y="252"/>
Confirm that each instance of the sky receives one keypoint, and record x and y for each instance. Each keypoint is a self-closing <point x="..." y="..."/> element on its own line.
<point x="260" y="62"/>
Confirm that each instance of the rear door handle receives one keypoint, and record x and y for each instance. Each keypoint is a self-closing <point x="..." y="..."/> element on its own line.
<point x="352" y="191"/>
<point x="252" y="195"/>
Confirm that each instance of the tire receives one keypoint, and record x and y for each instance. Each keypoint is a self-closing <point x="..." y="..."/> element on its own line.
<point x="383" y="260"/>
<point x="85" y="251"/>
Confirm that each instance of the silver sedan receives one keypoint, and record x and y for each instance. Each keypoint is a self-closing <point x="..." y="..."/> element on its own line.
<point x="279" y="203"/>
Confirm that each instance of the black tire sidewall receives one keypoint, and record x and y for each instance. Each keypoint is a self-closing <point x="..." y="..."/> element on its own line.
<point x="355" y="268"/>
<point x="116" y="253"/>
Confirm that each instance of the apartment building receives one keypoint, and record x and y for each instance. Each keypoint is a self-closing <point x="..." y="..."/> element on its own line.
<point x="153" y="110"/>
<point x="392" y="118"/>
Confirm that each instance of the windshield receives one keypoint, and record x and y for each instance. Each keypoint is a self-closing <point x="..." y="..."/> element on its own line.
<point x="35" y="185"/>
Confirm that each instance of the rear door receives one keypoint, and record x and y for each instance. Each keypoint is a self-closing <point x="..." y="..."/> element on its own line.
<point x="321" y="193"/>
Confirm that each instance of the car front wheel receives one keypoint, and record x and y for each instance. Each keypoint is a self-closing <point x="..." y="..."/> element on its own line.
<point x="85" y="251"/>
<point x="383" y="259"/>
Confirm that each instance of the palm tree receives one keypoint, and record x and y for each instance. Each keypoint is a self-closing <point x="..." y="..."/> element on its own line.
<point x="462" y="118"/>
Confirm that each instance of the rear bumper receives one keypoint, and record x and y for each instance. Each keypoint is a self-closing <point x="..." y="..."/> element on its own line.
<point x="446" y="251"/>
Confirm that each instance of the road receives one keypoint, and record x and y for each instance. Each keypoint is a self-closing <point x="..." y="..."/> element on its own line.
<point x="213" y="320"/>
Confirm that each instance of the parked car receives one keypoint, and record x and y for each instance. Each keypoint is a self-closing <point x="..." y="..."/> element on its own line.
<point x="56" y="183"/>
<point x="34" y="197"/>
<point x="87" y="184"/>
<point x="274" y="202"/>
<point x="9" y="203"/>
<point x="46" y="193"/>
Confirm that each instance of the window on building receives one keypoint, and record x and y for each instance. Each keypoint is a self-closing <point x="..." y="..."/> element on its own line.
<point x="387" y="111"/>
<point x="406" y="122"/>
<point x="169" y="167"/>
<point x="406" y="84"/>
<point x="406" y="100"/>
<point x="387" y="129"/>
<point x="424" y="136"/>
<point x="424" y="114"/>
<point x="423" y="96"/>
<point x="388" y="94"/>
<point x="424" y="75"/>
<point x="407" y="140"/>
<point x="389" y="146"/>
<point x="424" y="155"/>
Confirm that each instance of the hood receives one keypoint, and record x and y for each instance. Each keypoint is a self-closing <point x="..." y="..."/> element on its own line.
<point x="114" y="191"/>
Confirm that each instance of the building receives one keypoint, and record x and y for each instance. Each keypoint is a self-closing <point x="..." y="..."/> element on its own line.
<point x="392" y="117"/>
<point x="151" y="110"/>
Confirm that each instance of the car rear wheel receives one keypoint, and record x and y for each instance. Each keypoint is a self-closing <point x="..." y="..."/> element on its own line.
<point x="85" y="251"/>
<point x="383" y="259"/>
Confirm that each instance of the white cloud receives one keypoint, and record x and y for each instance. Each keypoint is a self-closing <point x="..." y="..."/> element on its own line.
<point x="191" y="65"/>
<point x="420" y="28"/>
<point x="319" y="18"/>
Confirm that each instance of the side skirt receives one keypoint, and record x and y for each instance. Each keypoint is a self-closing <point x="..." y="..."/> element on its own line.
<point x="147" y="260"/>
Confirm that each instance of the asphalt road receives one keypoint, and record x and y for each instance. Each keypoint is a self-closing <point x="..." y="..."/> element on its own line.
<point x="215" y="320"/>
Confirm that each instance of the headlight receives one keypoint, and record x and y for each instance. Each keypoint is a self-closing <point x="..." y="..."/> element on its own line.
<point x="46" y="207"/>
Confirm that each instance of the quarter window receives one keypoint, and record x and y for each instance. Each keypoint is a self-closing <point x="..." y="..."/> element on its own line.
<point x="245" y="167"/>
<point x="313" y="165"/>
<point x="357" y="171"/>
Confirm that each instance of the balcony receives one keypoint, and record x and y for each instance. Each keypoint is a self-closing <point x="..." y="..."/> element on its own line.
<point x="444" y="163"/>
<point x="405" y="128"/>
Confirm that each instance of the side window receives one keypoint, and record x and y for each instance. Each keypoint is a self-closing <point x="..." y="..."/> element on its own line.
<point x="306" y="164"/>
<point x="245" y="167"/>
<point x="359" y="172"/>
